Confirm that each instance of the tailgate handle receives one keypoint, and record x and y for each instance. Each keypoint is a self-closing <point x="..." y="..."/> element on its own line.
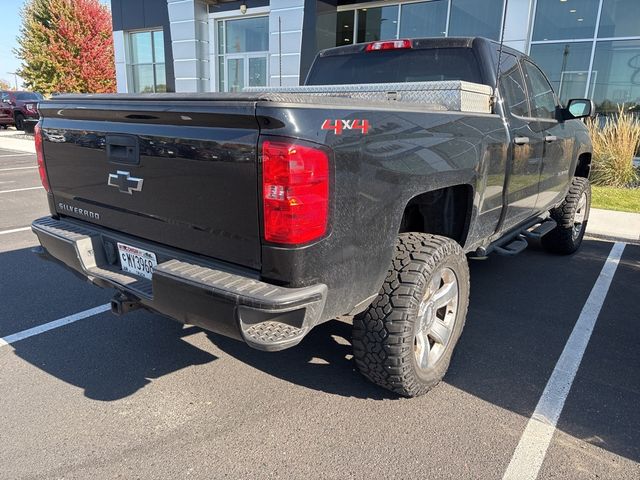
<point x="123" y="149"/>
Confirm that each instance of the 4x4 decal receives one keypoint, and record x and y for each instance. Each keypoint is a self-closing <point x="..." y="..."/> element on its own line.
<point x="339" y="125"/>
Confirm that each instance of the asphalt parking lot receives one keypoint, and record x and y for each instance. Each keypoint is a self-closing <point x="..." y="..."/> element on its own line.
<point x="143" y="397"/>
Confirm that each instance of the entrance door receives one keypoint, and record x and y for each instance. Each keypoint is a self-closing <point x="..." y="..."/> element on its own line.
<point x="248" y="70"/>
<point x="243" y="53"/>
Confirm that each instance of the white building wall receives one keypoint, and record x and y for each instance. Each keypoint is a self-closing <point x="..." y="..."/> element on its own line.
<point x="188" y="21"/>
<point x="121" y="61"/>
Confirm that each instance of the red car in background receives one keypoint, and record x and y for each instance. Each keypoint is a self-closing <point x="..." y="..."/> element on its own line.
<point x="16" y="107"/>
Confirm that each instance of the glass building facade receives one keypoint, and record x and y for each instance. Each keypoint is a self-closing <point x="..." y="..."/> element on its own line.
<point x="590" y="48"/>
<point x="587" y="48"/>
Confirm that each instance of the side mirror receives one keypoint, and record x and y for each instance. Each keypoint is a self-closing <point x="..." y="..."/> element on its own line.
<point x="580" y="108"/>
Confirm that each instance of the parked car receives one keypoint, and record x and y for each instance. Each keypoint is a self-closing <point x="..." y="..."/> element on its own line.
<point x="260" y="215"/>
<point x="16" y="107"/>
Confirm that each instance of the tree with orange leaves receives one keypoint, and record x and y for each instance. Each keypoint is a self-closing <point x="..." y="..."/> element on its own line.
<point x="66" y="46"/>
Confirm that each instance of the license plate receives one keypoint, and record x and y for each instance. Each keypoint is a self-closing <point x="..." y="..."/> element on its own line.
<point x="136" y="261"/>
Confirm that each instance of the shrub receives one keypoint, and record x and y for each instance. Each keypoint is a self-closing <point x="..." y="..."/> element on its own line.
<point x="614" y="146"/>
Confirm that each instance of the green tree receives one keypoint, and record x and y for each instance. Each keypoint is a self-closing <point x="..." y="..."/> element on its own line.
<point x="66" y="46"/>
<point x="4" y="85"/>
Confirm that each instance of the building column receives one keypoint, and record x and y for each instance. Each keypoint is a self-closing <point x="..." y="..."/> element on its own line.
<point x="121" y="62"/>
<point x="188" y="21"/>
<point x="518" y="24"/>
<point x="285" y="41"/>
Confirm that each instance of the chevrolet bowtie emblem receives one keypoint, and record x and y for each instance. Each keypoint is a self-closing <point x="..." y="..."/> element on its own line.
<point x="124" y="182"/>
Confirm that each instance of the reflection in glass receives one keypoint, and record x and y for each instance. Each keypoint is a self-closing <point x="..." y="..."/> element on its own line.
<point x="616" y="75"/>
<point x="426" y="19"/>
<point x="344" y="28"/>
<point x="558" y="20"/>
<point x="158" y="46"/>
<point x="543" y="102"/>
<point x="471" y="18"/>
<point x="619" y="18"/>
<point x="141" y="51"/>
<point x="257" y="72"/>
<point x="236" y="74"/>
<point x="161" y="78"/>
<point x="513" y="87"/>
<point x="142" y="77"/>
<point x="247" y="35"/>
<point x="379" y="23"/>
<point x="566" y="65"/>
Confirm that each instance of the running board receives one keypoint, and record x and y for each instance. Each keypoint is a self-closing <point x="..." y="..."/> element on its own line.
<point x="541" y="230"/>
<point x="514" y="247"/>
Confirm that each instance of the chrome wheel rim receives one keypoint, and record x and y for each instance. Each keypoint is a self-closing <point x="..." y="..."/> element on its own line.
<point x="579" y="217"/>
<point x="436" y="318"/>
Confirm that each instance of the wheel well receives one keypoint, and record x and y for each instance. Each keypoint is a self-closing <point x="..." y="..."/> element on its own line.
<point x="445" y="212"/>
<point x="584" y="165"/>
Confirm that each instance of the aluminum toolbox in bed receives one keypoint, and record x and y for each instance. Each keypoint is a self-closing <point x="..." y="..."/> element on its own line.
<point x="453" y="95"/>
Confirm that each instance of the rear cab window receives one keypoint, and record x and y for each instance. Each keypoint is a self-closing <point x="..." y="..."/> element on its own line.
<point x="396" y="66"/>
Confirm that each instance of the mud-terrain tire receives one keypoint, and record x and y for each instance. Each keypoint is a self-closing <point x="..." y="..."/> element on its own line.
<point x="571" y="216"/>
<point x="422" y="303"/>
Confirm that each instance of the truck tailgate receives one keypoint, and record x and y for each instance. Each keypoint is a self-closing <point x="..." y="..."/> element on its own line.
<point x="179" y="172"/>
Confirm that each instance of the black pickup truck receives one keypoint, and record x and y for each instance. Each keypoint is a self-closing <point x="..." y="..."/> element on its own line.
<point x="261" y="214"/>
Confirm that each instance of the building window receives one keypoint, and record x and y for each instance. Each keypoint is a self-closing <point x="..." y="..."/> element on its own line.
<point x="431" y="18"/>
<point x="243" y="52"/>
<point x="425" y="19"/>
<point x="615" y="79"/>
<point x="565" y="20"/>
<point x="471" y="18"/>
<point x="146" y="62"/>
<point x="566" y="65"/>
<point x="586" y="59"/>
<point x="379" y="23"/>
<point x="619" y="18"/>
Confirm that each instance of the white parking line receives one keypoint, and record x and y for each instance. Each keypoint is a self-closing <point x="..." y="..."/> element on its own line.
<point x="16" y="155"/>
<point x="20" y="189"/>
<point x="16" y="337"/>
<point x="15" y="230"/>
<point x="17" y="168"/>
<point x="532" y="448"/>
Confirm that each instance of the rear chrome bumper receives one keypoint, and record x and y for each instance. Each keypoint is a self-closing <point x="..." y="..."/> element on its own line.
<point x="215" y="296"/>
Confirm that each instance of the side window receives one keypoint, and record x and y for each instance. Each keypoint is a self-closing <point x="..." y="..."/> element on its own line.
<point x="513" y="87"/>
<point x="543" y="101"/>
<point x="4" y="97"/>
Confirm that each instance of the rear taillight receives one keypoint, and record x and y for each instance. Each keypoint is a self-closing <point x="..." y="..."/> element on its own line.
<point x="40" y="157"/>
<point x="388" y="45"/>
<point x="295" y="192"/>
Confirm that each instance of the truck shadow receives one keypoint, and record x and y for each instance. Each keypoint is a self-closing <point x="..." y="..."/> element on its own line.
<point x="522" y="311"/>
<point x="108" y="357"/>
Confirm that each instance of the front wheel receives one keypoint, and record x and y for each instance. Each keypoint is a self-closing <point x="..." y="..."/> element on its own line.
<point x="571" y="216"/>
<point x="19" y="121"/>
<point x="404" y="340"/>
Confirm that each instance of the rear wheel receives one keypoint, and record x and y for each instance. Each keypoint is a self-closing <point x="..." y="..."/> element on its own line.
<point x="571" y="216"/>
<point x="19" y="121"/>
<point x="405" y="339"/>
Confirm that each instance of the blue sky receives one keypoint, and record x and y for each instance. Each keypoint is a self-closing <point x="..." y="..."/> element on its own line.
<point x="8" y="34"/>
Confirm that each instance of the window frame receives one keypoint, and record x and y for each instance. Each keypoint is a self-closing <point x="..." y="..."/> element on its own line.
<point x="129" y="58"/>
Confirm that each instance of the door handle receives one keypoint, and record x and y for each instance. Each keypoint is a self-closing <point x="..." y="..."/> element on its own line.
<point x="521" y="140"/>
<point x="550" y="138"/>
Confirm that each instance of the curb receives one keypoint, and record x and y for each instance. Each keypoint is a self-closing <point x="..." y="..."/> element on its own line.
<point x="612" y="238"/>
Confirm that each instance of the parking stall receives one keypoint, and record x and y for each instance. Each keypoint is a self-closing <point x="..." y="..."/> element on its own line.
<point x="544" y="382"/>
